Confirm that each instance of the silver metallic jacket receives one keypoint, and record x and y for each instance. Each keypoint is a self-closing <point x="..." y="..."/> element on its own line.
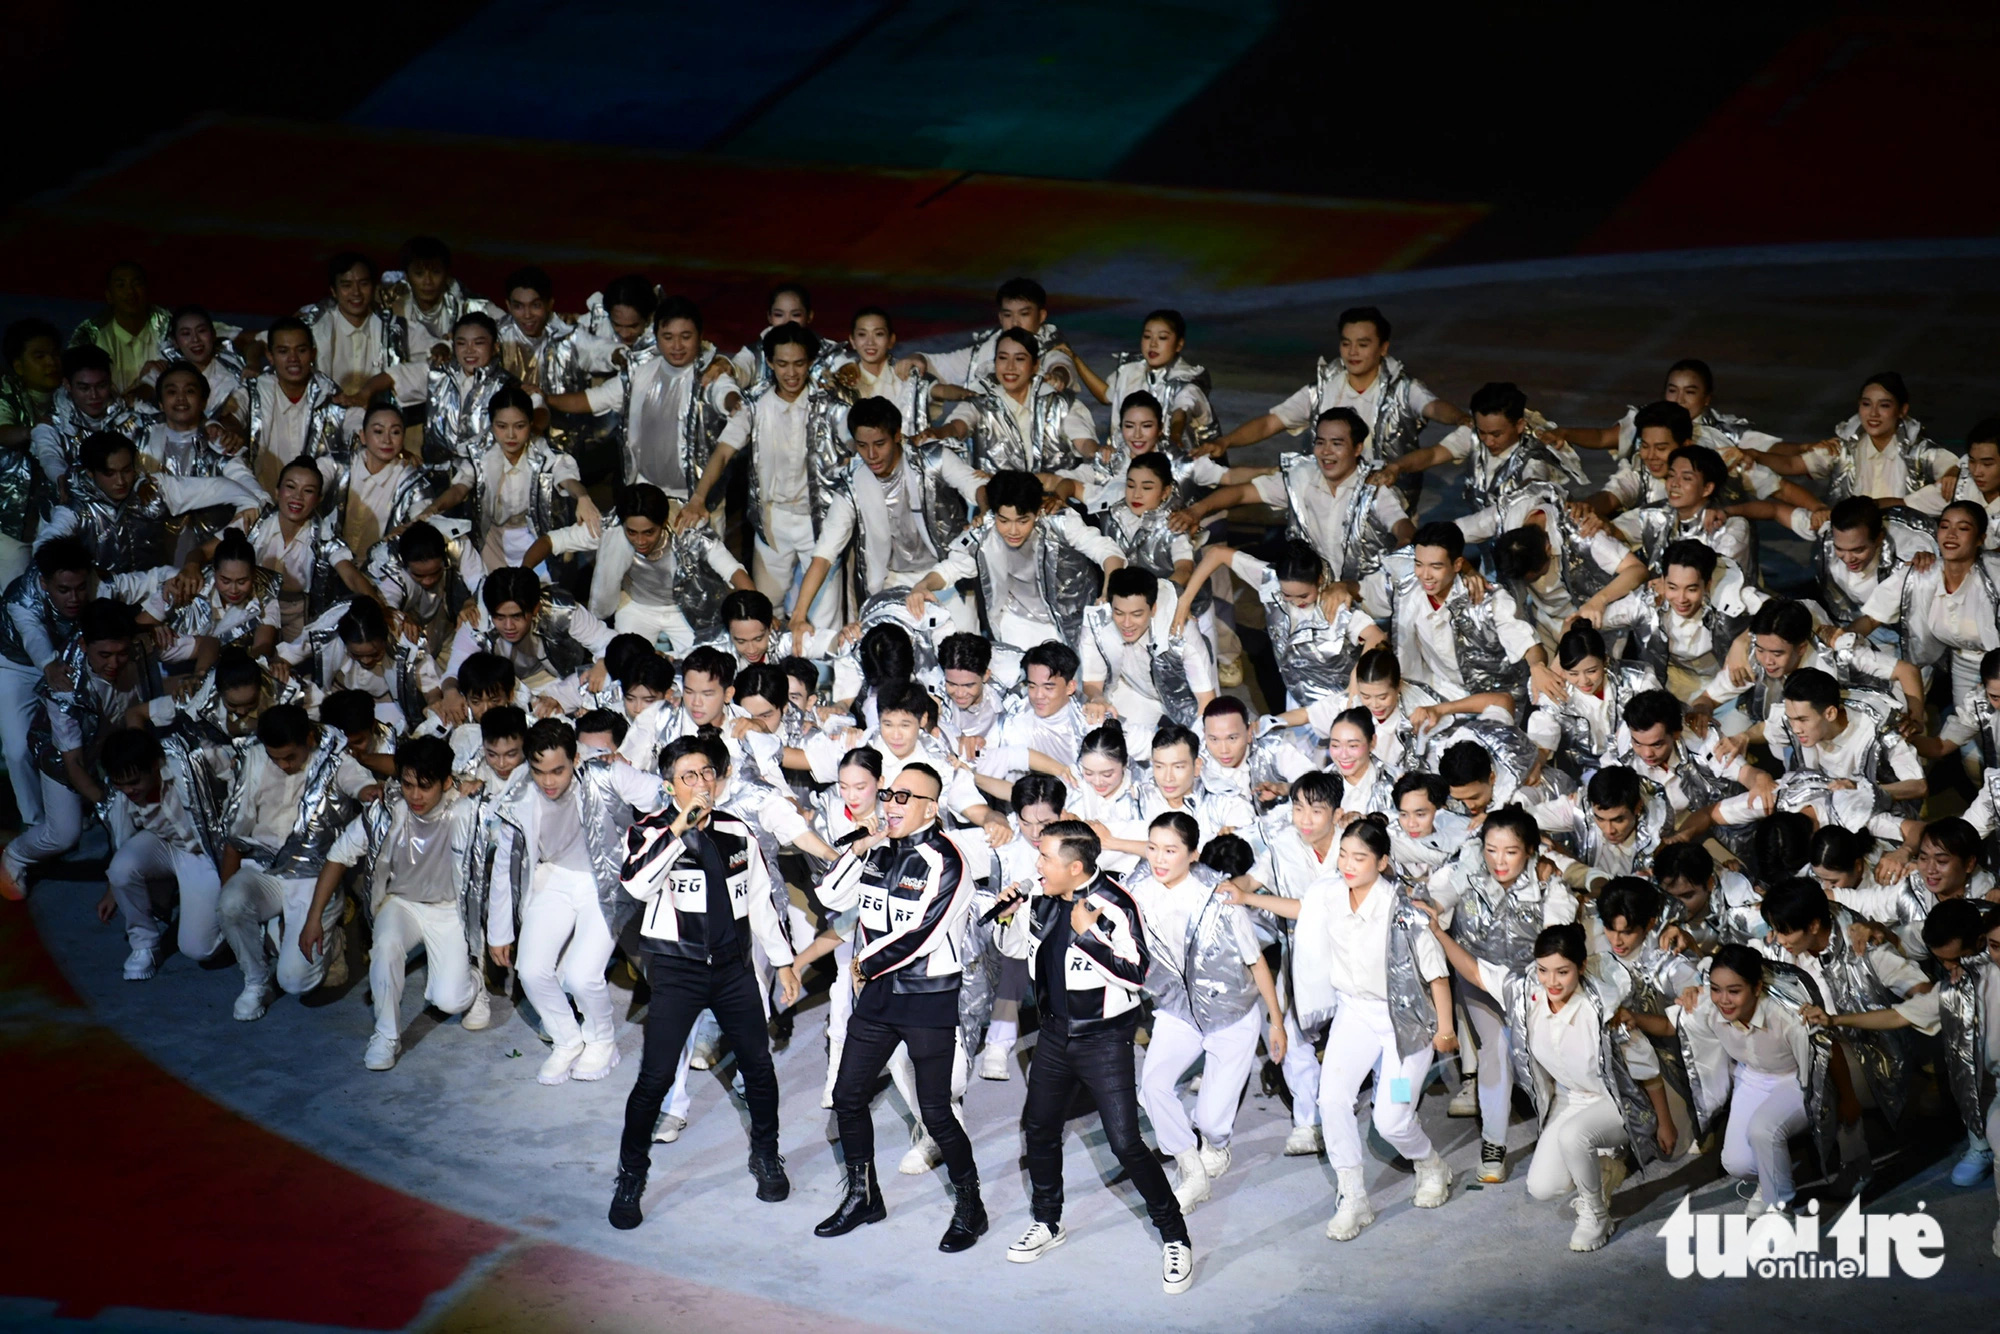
<point x="1581" y="750"/>
<point x="700" y="424"/>
<point x="72" y="427"/>
<point x="1710" y="1071"/>
<point x="81" y="705"/>
<point x="942" y="508"/>
<point x="1919" y="644"/>
<point x="1489" y="481"/>
<point x="325" y="538"/>
<point x="1900" y="528"/>
<point x="1166" y="653"/>
<point x="1661" y="525"/>
<point x="21" y="480"/>
<point x="1852" y="987"/>
<point x="606" y="817"/>
<point x="1604" y="987"/>
<point x="414" y="494"/>
<point x="392" y="335"/>
<point x="26" y="594"/>
<point x="1363" y="539"/>
<point x="399" y="670"/>
<point x="1201" y="980"/>
<point x="996" y="443"/>
<point x="458" y="413"/>
<point x="204" y="790"/>
<point x="136" y="533"/>
<point x="1165" y="384"/>
<point x="1913" y="445"/>
<point x="1962" y="1012"/>
<point x="829" y="394"/>
<point x="1397" y="423"/>
<point x="1655" y="819"/>
<point x="1068" y="579"/>
<point x="1514" y="755"/>
<point x="199" y="615"/>
<point x="1483" y="661"/>
<point x="549" y="506"/>
<point x="1315" y="655"/>
<point x="206" y="714"/>
<point x="1494" y="922"/>
<point x="324" y="811"/>
<point x="824" y="470"/>
<point x="565" y="654"/>
<point x="324" y="437"/>
<point x="1722" y="611"/>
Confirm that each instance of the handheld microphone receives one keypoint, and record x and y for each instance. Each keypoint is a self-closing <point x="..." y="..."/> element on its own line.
<point x="1008" y="902"/>
<point x="852" y="837"/>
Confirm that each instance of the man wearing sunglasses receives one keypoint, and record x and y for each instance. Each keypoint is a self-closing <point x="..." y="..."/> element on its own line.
<point x="913" y="889"/>
<point x="706" y="893"/>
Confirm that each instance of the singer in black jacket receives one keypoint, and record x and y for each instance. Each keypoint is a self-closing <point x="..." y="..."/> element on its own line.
<point x="913" y="889"/>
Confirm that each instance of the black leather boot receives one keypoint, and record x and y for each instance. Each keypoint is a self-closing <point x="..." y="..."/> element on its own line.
<point x="769" y="1169"/>
<point x="968" y="1217"/>
<point x="862" y="1203"/>
<point x="625" y="1197"/>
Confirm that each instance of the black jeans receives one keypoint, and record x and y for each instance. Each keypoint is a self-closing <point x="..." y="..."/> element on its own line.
<point x="1103" y="1064"/>
<point x="870" y="1044"/>
<point x="682" y="989"/>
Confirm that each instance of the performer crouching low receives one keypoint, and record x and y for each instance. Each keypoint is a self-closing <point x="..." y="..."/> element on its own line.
<point x="913" y="888"/>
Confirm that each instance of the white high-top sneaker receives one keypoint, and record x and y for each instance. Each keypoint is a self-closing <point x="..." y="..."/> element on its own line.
<point x="479" y="1014"/>
<point x="142" y="962"/>
<point x="1193" y="1187"/>
<point x="1433" y="1181"/>
<point x="561" y="1061"/>
<point x="832" y="1075"/>
<point x="252" y="1002"/>
<point x="1355" y="1211"/>
<point x="996" y="1062"/>
<point x="597" y="1060"/>
<point x="1465" y="1102"/>
<point x="1213" y="1160"/>
<point x="1593" y="1221"/>
<point x="382" y="1052"/>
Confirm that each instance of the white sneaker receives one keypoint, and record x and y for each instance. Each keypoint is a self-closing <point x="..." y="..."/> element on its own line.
<point x="141" y="963"/>
<point x="598" y="1060"/>
<point x="556" y="1069"/>
<point x="1193" y="1187"/>
<point x="1176" y="1266"/>
<point x="1433" y="1182"/>
<point x="251" y="1004"/>
<point x="1593" y="1223"/>
<point x="924" y="1154"/>
<point x="1214" y="1161"/>
<point x="382" y="1052"/>
<point x="832" y="1075"/>
<point x="996" y="1062"/>
<point x="479" y="1014"/>
<point x="1356" y="1211"/>
<point x="705" y="1056"/>
<point x="1465" y="1102"/>
<point x="1303" y="1142"/>
<point x="1039" y="1239"/>
<point x="669" y="1129"/>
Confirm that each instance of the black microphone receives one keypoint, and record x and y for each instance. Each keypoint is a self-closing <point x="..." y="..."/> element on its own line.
<point x="855" y="836"/>
<point x="1008" y="902"/>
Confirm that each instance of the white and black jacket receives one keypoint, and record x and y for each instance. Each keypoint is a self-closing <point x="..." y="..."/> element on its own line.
<point x="1104" y="969"/>
<point x="663" y="873"/>
<point x="914" y="894"/>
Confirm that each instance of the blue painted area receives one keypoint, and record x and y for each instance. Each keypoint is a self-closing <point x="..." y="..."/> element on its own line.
<point x="1061" y="91"/>
<point x="623" y="72"/>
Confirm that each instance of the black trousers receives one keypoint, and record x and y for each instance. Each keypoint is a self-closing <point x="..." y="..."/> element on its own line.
<point x="1103" y="1064"/>
<point x="870" y="1044"/>
<point x="682" y="989"/>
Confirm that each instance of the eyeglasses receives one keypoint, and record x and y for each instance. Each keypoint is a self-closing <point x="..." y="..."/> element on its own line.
<point x="900" y="796"/>
<point x="695" y="776"/>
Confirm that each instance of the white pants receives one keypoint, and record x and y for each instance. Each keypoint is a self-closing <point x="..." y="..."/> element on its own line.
<point x="1230" y="1052"/>
<point x="1301" y="1073"/>
<point x="1765" y="1111"/>
<point x="15" y="557"/>
<point x="254" y="897"/>
<point x="1363" y="1038"/>
<point x="145" y="875"/>
<point x="778" y="566"/>
<point x="55" y="833"/>
<point x="1496" y="1065"/>
<point x="1022" y="633"/>
<point x="18" y="704"/>
<point x="562" y="925"/>
<point x="1566" y="1154"/>
<point x="1139" y="712"/>
<point x="400" y="926"/>
<point x="655" y="622"/>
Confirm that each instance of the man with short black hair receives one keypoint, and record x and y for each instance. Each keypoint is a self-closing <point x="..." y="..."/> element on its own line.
<point x="1497" y="448"/>
<point x="1133" y="662"/>
<point x="1088" y="960"/>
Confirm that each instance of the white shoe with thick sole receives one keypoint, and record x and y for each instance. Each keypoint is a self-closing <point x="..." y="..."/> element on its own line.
<point x="1214" y="1161"/>
<point x="252" y="1002"/>
<point x="556" y="1069"/>
<point x="1465" y="1102"/>
<point x="669" y="1129"/>
<point x="1176" y="1266"/>
<point x="479" y="1014"/>
<point x="924" y="1154"/>
<point x="382" y="1052"/>
<point x="1593" y="1223"/>
<point x="598" y="1060"/>
<point x="1194" y="1186"/>
<point x="996" y="1062"/>
<point x="705" y="1056"/>
<point x="1433" y="1182"/>
<point x="142" y="963"/>
<point x="1303" y="1142"/>
<point x="1356" y="1211"/>
<point x="1037" y="1241"/>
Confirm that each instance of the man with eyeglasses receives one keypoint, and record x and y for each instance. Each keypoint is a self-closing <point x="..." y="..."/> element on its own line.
<point x="913" y="889"/>
<point x="706" y="893"/>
